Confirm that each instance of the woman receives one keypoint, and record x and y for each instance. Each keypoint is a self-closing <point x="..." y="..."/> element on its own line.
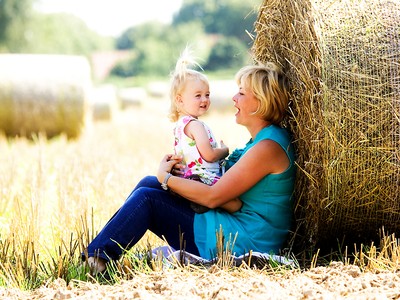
<point x="261" y="175"/>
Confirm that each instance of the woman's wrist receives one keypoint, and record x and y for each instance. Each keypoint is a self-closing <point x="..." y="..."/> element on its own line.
<point x="161" y="175"/>
<point x="164" y="183"/>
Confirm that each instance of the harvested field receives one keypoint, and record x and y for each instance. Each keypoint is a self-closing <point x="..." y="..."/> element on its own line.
<point x="46" y="186"/>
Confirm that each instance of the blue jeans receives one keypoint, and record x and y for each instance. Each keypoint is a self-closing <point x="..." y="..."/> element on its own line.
<point x="148" y="207"/>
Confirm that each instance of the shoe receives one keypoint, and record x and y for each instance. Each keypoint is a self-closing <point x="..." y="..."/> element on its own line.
<point x="96" y="265"/>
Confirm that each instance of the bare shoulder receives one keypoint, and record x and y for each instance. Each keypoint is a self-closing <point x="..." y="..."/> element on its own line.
<point x="269" y="147"/>
<point x="194" y="123"/>
<point x="194" y="128"/>
<point x="269" y="155"/>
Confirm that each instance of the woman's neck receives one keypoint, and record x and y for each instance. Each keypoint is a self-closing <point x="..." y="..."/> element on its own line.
<point x="255" y="128"/>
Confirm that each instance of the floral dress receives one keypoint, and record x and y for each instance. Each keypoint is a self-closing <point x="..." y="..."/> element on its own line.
<point x="208" y="172"/>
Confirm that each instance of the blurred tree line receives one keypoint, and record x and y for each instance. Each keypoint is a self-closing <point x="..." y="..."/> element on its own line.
<point x="24" y="30"/>
<point x="218" y="30"/>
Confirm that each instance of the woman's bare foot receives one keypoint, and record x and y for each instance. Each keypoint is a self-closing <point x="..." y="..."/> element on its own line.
<point x="96" y="265"/>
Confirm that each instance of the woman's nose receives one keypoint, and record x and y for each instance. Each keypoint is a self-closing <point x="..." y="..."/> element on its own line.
<point x="234" y="98"/>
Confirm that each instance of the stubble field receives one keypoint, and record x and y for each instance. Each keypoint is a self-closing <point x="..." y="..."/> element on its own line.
<point x="55" y="191"/>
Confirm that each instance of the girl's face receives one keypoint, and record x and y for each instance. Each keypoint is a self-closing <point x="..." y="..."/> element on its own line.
<point x="246" y="104"/>
<point x="194" y="99"/>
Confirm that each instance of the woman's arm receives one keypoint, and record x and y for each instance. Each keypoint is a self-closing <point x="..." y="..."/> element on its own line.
<point x="264" y="158"/>
<point x="196" y="131"/>
<point x="232" y="205"/>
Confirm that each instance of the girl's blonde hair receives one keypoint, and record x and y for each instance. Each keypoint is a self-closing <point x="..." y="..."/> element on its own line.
<point x="179" y="78"/>
<point x="270" y="86"/>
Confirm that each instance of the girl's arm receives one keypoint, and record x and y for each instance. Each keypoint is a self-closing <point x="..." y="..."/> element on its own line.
<point x="196" y="131"/>
<point x="264" y="158"/>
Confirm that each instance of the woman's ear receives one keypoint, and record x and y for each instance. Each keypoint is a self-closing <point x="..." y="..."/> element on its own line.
<point x="178" y="99"/>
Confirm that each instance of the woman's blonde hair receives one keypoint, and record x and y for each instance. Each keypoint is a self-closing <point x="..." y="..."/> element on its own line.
<point x="179" y="78"/>
<point x="270" y="86"/>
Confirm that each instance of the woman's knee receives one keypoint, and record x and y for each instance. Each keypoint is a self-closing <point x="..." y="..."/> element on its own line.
<point x="148" y="181"/>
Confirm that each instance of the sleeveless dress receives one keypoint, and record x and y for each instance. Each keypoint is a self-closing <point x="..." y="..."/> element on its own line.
<point x="263" y="222"/>
<point x="207" y="172"/>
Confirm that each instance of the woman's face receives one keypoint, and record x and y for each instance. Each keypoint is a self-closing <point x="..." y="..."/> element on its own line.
<point x="246" y="104"/>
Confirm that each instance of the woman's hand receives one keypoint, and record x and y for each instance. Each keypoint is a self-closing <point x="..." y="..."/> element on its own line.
<point x="167" y="164"/>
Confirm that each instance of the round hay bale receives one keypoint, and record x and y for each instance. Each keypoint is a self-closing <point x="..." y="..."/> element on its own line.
<point x="104" y="102"/>
<point x="285" y="35"/>
<point x="158" y="89"/>
<point x="132" y="97"/>
<point x="360" y="46"/>
<point x="342" y="59"/>
<point x="43" y="94"/>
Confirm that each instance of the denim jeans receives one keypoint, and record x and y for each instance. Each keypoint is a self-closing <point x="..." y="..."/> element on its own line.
<point x="148" y="207"/>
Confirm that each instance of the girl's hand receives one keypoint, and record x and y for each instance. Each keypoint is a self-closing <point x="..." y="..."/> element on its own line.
<point x="179" y="168"/>
<point x="225" y="148"/>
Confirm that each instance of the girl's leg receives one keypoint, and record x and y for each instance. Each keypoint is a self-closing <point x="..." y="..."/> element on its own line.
<point x="147" y="207"/>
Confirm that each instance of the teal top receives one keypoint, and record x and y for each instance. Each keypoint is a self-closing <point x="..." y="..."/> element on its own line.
<point x="263" y="222"/>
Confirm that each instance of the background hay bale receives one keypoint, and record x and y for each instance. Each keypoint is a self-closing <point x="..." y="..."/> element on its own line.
<point x="132" y="97"/>
<point x="342" y="58"/>
<point x="43" y="93"/>
<point x="104" y="102"/>
<point x="158" y="89"/>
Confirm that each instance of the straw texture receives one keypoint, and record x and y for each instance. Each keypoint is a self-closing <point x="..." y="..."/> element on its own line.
<point x="342" y="58"/>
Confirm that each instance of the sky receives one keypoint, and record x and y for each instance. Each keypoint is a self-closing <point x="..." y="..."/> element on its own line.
<point x="112" y="17"/>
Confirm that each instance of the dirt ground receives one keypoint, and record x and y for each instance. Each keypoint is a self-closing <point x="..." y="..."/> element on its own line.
<point x="337" y="281"/>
